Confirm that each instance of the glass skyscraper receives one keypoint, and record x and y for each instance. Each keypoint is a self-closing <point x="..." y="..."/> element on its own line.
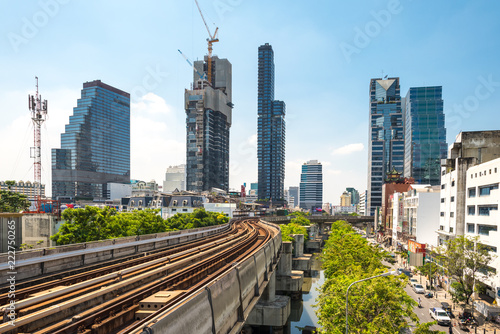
<point x="95" y="147"/>
<point x="208" y="119"/>
<point x="386" y="137"/>
<point x="311" y="186"/>
<point x="270" y="132"/>
<point x="425" y="134"/>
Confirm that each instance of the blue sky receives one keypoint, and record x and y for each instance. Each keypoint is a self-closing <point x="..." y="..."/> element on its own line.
<point x="325" y="54"/>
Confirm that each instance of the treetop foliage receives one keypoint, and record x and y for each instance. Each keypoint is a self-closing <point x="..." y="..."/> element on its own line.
<point x="292" y="228"/>
<point x="11" y="201"/>
<point x="92" y="223"/>
<point x="377" y="305"/>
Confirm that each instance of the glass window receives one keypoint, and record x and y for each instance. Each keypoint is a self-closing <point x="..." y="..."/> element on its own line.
<point x="470" y="228"/>
<point x="472" y="192"/>
<point x="485" y="210"/>
<point x="485" y="229"/>
<point x="442" y="214"/>
<point x="452" y="214"/>
<point x="471" y="210"/>
<point x="452" y="199"/>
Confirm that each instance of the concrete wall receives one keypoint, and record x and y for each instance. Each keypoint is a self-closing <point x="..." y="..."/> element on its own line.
<point x="10" y="230"/>
<point x="230" y="298"/>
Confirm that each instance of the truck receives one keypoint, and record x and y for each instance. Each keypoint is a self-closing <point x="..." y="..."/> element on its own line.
<point x="440" y="316"/>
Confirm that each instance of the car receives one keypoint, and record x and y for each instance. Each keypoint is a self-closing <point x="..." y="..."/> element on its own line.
<point x="445" y="306"/>
<point x="406" y="272"/>
<point x="440" y="316"/>
<point x="418" y="288"/>
<point x="412" y="281"/>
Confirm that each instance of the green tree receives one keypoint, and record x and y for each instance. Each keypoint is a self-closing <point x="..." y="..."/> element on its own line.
<point x="292" y="228"/>
<point x="464" y="257"/>
<point x="425" y="328"/>
<point x="301" y="220"/>
<point x="378" y="305"/>
<point x="11" y="201"/>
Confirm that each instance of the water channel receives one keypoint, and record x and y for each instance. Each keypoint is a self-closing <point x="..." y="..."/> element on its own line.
<point x="302" y="312"/>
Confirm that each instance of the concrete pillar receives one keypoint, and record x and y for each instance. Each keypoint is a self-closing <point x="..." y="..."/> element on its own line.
<point x="298" y="245"/>
<point x="285" y="263"/>
<point x="269" y="293"/>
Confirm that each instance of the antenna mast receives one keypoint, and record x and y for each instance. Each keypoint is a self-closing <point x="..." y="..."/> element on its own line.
<point x="38" y="110"/>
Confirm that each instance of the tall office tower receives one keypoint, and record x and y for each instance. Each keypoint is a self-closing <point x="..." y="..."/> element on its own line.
<point x="425" y="134"/>
<point x="354" y="195"/>
<point x="175" y="179"/>
<point x="208" y="119"/>
<point x="311" y="186"/>
<point x="294" y="192"/>
<point x="386" y="137"/>
<point x="271" y="131"/>
<point x="95" y="147"/>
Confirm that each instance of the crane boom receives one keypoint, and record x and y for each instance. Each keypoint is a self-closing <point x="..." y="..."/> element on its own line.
<point x="202" y="77"/>
<point x="211" y="39"/>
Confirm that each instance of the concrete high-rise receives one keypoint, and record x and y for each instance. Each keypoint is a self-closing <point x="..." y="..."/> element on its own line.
<point x="293" y="192"/>
<point x="386" y="137"/>
<point x="175" y="179"/>
<point x="425" y="134"/>
<point x="208" y="119"/>
<point x="95" y="147"/>
<point x="311" y="186"/>
<point x="270" y="131"/>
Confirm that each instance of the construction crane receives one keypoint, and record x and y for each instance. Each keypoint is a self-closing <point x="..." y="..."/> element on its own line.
<point x="202" y="76"/>
<point x="211" y="39"/>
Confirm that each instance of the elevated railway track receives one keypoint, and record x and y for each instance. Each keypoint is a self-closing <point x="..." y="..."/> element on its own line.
<point x="127" y="296"/>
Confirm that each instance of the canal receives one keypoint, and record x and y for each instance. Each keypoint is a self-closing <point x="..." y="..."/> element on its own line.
<point x="303" y="313"/>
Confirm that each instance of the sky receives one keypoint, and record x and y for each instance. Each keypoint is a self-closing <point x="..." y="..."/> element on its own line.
<point x="325" y="52"/>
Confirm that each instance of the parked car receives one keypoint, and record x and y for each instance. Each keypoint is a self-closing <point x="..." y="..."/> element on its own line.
<point x="418" y="288"/>
<point x="412" y="281"/>
<point x="440" y="316"/>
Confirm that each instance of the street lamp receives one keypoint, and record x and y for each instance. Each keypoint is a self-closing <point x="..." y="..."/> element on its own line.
<point x="393" y="272"/>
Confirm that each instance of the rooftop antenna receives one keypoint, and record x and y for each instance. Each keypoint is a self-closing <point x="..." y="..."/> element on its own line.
<point x="38" y="110"/>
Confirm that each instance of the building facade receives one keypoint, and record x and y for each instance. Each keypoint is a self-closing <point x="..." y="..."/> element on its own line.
<point x="468" y="150"/>
<point x="208" y="120"/>
<point x="270" y="130"/>
<point x="361" y="209"/>
<point x="481" y="214"/>
<point x="354" y="195"/>
<point x="386" y="137"/>
<point x="345" y="199"/>
<point x="175" y="178"/>
<point x="26" y="188"/>
<point x="95" y="147"/>
<point x="425" y="134"/>
<point x="421" y="213"/>
<point x="311" y="186"/>
<point x="293" y="196"/>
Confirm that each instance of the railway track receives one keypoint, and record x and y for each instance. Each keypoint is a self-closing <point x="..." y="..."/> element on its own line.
<point x="108" y="299"/>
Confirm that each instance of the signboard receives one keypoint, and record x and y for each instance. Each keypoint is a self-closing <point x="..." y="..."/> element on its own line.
<point x="416" y="247"/>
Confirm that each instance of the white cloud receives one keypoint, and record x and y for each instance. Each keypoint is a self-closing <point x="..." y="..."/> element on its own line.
<point x="151" y="104"/>
<point x="348" y="149"/>
<point x="333" y="172"/>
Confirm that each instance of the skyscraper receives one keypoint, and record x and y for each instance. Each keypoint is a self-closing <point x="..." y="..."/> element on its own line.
<point x="271" y="130"/>
<point x="95" y="147"/>
<point x="354" y="195"/>
<point x="425" y="134"/>
<point x="386" y="137"/>
<point x="175" y="179"/>
<point x="311" y="186"/>
<point x="293" y="192"/>
<point x="208" y="119"/>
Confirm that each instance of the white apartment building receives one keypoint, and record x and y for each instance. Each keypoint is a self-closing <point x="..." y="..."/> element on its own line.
<point x="447" y="206"/>
<point x="481" y="215"/>
<point x="421" y="212"/>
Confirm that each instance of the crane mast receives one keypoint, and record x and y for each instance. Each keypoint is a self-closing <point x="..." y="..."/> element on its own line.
<point x="38" y="110"/>
<point x="211" y="39"/>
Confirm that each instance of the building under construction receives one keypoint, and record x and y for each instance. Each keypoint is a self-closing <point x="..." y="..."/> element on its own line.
<point x="208" y="109"/>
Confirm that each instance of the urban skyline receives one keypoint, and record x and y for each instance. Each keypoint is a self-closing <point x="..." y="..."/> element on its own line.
<point x="157" y="78"/>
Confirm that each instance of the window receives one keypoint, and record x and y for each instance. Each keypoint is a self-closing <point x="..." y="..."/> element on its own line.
<point x="442" y="200"/>
<point x="441" y="227"/>
<point x="443" y="186"/>
<point x="486" y="190"/>
<point x="472" y="192"/>
<point x="453" y="183"/>
<point x="489" y="248"/>
<point x="442" y="214"/>
<point x="452" y="199"/>
<point x="485" y="229"/>
<point x="484" y="210"/>
<point x="471" y="228"/>
<point x="452" y="214"/>
<point x="471" y="210"/>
